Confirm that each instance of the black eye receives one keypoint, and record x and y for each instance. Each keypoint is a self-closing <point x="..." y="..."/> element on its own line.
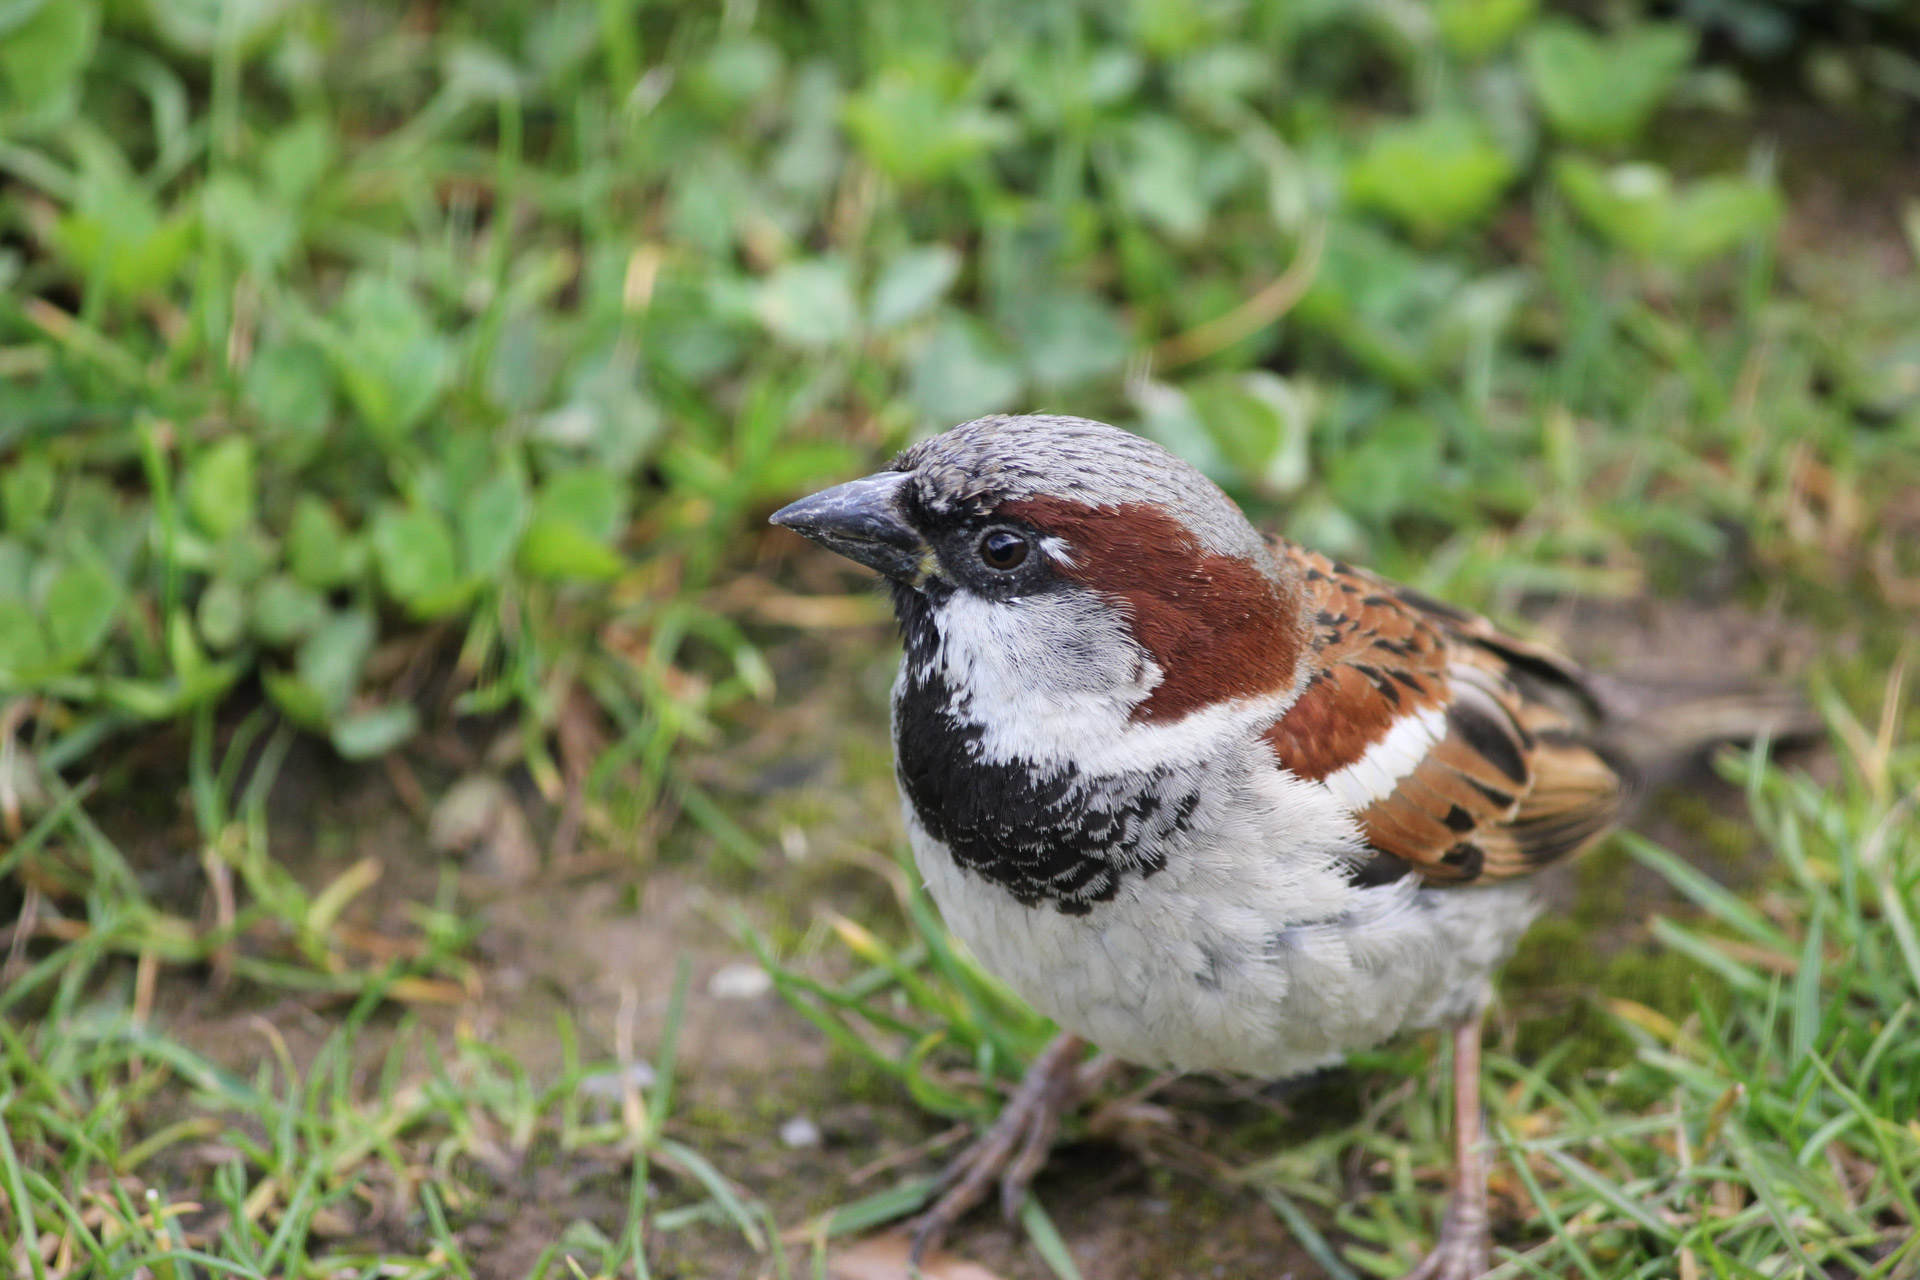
<point x="1003" y="550"/>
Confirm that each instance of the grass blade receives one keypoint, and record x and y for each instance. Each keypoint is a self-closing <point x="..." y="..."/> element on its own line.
<point x="1046" y="1240"/>
<point x="1304" y="1232"/>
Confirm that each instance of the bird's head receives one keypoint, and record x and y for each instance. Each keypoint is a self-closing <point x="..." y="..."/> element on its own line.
<point x="1062" y="569"/>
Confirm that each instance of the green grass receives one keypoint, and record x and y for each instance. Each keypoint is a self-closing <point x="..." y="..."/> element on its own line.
<point x="262" y="1173"/>
<point x="374" y="373"/>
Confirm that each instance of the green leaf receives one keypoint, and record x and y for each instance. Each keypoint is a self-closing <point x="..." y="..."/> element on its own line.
<point x="1629" y="204"/>
<point x="608" y="417"/>
<point x="23" y="645"/>
<point x="220" y="487"/>
<point x="1261" y="424"/>
<point x="328" y="662"/>
<point x="1433" y="175"/>
<point x="475" y="72"/>
<point x="808" y="304"/>
<point x="365" y="735"/>
<point x="290" y="386"/>
<point x="301" y="703"/>
<point x="1638" y="208"/>
<point x="297" y="157"/>
<point x="590" y="500"/>
<point x="163" y="699"/>
<point x="1224" y="79"/>
<point x="286" y="610"/>
<point x="16" y="570"/>
<point x="249" y="555"/>
<point x="414" y="549"/>
<point x="115" y="234"/>
<point x="961" y="373"/>
<point x="1161" y="181"/>
<point x="912" y="283"/>
<point x="389" y="356"/>
<point x="202" y="26"/>
<point x="26" y="493"/>
<point x="42" y="58"/>
<point x="80" y="607"/>
<point x="1381" y="301"/>
<point x="1391" y="470"/>
<point x="491" y="519"/>
<point x="738" y="71"/>
<point x="1475" y="28"/>
<point x="913" y="125"/>
<point x="1068" y="337"/>
<point x="559" y="550"/>
<point x="1602" y="90"/>
<point x="222" y="614"/>
<point x="1167" y="415"/>
<point x="261" y="232"/>
<point x="801" y="465"/>
<point x="1173" y="27"/>
<point x="1718" y="214"/>
<point x="809" y="160"/>
<point x="183" y="647"/>
<point x="319" y="551"/>
<point x="15" y="14"/>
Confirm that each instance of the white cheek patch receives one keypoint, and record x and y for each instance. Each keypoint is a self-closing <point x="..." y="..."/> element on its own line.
<point x="1056" y="678"/>
<point x="1062" y="662"/>
<point x="1378" y="771"/>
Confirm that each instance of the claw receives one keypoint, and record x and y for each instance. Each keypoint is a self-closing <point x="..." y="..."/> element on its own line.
<point x="1463" y="1252"/>
<point x="1014" y="1149"/>
<point x="1043" y="1125"/>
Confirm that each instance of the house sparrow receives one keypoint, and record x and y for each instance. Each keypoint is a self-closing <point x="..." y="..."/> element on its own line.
<point x="1207" y="800"/>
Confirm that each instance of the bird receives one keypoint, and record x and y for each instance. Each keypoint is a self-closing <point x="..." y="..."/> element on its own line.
<point x="1208" y="799"/>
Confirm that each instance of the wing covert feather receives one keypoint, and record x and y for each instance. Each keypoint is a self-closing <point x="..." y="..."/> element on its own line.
<point x="1467" y="755"/>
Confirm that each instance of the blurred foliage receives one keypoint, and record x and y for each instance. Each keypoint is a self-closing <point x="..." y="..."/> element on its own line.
<point x="347" y="343"/>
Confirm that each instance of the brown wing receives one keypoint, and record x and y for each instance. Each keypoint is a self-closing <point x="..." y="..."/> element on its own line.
<point x="1466" y="755"/>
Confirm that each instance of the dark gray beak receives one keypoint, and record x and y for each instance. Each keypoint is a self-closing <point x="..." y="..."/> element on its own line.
<point x="864" y="520"/>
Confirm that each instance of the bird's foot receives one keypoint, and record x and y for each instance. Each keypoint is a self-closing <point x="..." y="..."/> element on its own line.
<point x="1013" y="1150"/>
<point x="1464" y="1250"/>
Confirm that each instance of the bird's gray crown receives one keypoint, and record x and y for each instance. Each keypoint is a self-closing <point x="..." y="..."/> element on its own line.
<point x="978" y="465"/>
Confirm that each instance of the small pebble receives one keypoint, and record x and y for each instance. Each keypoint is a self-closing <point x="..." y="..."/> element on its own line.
<point x="800" y="1132"/>
<point x="793" y="843"/>
<point x="741" y="980"/>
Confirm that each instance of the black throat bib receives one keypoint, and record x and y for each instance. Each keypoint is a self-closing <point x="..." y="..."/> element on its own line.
<point x="1044" y="832"/>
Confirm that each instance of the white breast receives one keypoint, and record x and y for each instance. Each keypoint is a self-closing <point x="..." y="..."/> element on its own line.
<point x="1250" y="951"/>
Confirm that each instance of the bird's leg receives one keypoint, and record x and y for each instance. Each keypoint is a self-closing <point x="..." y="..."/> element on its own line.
<point x="1012" y="1150"/>
<point x="1465" y="1247"/>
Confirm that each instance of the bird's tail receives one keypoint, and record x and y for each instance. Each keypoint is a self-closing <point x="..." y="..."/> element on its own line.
<point x="1663" y="728"/>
